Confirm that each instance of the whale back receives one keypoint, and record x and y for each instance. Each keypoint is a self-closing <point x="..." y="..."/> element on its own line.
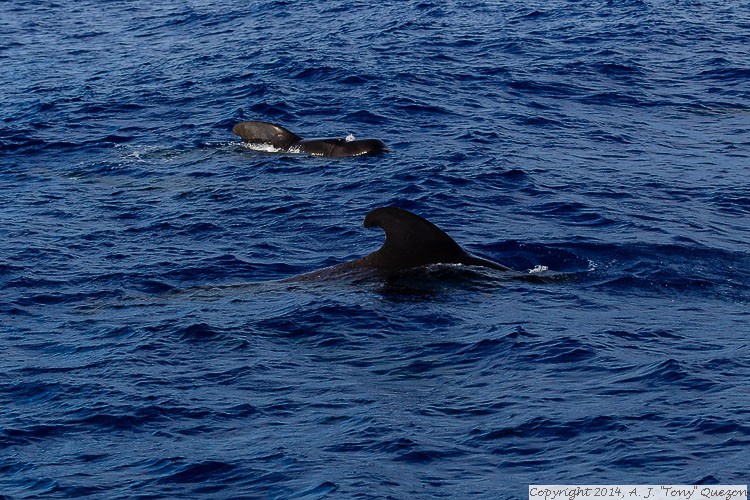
<point x="360" y="147"/>
<point x="342" y="147"/>
<point x="266" y="133"/>
<point x="258" y="132"/>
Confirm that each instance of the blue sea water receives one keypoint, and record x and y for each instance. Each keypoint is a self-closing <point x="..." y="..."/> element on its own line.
<point x="151" y="347"/>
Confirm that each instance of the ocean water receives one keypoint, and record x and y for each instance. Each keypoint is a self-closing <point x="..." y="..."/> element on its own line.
<point x="153" y="347"/>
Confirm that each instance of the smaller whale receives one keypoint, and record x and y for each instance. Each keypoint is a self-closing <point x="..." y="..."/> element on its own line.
<point x="258" y="132"/>
<point x="410" y="242"/>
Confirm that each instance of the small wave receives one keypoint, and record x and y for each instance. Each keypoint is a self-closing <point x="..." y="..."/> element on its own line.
<point x="669" y="372"/>
<point x="420" y="108"/>
<point x="58" y="298"/>
<point x="18" y="141"/>
<point x="316" y="73"/>
<point x="153" y="286"/>
<point x="317" y="492"/>
<point x="202" y="472"/>
<point x="731" y="203"/>
<point x="199" y="332"/>
<point x="734" y="75"/>
<point x="14" y="436"/>
<point x="574" y="213"/>
<point x="365" y="116"/>
<point x="613" y="99"/>
<point x="539" y="427"/>
<point x="545" y="89"/>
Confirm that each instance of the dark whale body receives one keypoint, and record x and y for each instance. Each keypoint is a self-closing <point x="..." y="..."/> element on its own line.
<point x="267" y="133"/>
<point x="410" y="242"/>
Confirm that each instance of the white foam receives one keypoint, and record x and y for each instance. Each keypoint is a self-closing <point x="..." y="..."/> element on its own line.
<point x="350" y="138"/>
<point x="259" y="146"/>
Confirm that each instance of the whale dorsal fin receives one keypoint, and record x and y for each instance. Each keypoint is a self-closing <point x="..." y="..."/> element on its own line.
<point x="410" y="241"/>
<point x="266" y="133"/>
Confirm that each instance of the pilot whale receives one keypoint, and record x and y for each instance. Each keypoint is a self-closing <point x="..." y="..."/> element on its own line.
<point x="277" y="136"/>
<point x="410" y="242"/>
